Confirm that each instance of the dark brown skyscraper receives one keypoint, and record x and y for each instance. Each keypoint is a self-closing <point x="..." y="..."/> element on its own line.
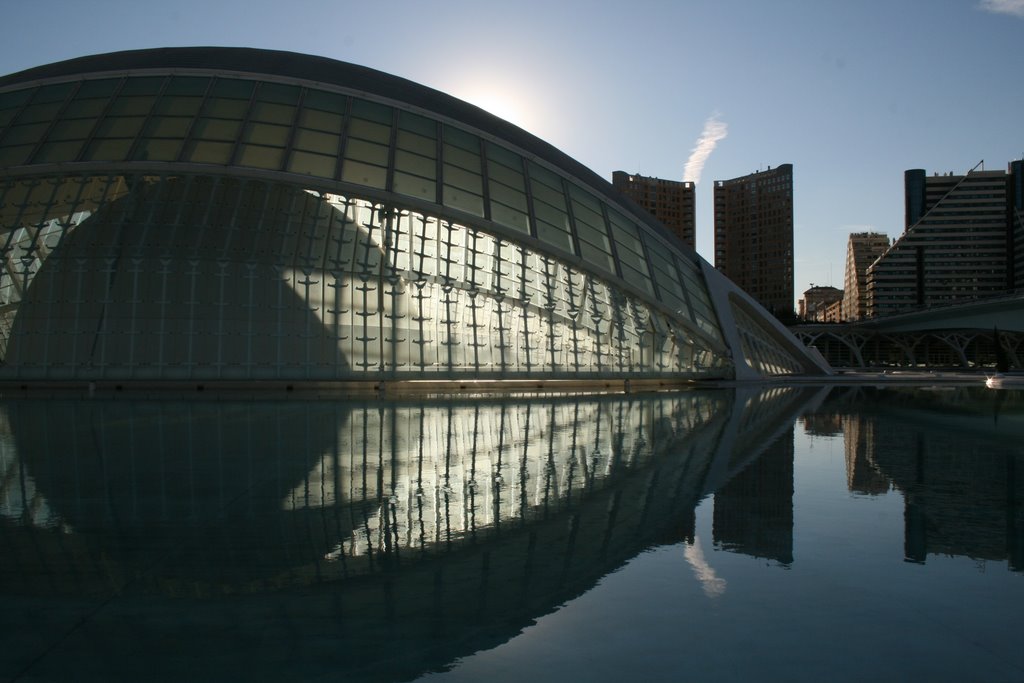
<point x="672" y="202"/>
<point x="754" y="235"/>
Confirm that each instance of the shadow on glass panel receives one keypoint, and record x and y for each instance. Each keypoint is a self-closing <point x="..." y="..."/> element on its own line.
<point x="377" y="540"/>
<point x="138" y="277"/>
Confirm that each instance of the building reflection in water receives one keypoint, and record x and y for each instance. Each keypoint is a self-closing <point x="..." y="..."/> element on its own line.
<point x="955" y="455"/>
<point x="448" y="525"/>
<point x="753" y="512"/>
<point x="253" y="531"/>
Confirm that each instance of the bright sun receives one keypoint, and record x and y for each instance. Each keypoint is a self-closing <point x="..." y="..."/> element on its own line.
<point x="502" y="103"/>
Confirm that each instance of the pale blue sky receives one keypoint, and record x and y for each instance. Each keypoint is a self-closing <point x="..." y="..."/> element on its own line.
<point x="851" y="93"/>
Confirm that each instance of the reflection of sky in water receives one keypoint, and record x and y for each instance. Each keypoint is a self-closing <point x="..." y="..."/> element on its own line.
<point x="700" y="536"/>
<point x="713" y="584"/>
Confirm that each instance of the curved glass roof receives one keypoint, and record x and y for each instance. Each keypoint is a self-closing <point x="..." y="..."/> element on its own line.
<point x="335" y="126"/>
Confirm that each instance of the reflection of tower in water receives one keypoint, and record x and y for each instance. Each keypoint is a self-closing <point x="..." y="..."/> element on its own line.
<point x="753" y="513"/>
<point x="862" y="475"/>
<point x="955" y="458"/>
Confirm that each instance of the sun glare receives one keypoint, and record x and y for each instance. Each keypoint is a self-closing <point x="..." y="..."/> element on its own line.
<point x="522" y="99"/>
<point x="503" y="104"/>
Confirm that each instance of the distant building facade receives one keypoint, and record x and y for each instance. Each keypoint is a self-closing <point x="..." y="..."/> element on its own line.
<point x="817" y="302"/>
<point x="862" y="249"/>
<point x="671" y="202"/>
<point x="1017" y="221"/>
<point x="754" y="235"/>
<point x="961" y="242"/>
<point x="833" y="313"/>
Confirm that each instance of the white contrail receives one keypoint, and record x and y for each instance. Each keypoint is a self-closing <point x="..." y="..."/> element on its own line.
<point x="713" y="585"/>
<point x="1014" y="7"/>
<point x="714" y="130"/>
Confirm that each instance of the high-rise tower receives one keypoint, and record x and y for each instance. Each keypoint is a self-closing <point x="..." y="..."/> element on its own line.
<point x="959" y="242"/>
<point x="861" y="251"/>
<point x="672" y="202"/>
<point x="754" y="235"/>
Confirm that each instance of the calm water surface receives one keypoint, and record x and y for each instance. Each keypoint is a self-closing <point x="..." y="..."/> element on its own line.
<point x="796" y="534"/>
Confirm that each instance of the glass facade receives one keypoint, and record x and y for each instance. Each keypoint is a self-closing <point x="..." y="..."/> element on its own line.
<point x="195" y="225"/>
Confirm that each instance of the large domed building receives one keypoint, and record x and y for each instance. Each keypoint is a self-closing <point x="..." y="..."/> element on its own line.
<point x="206" y="214"/>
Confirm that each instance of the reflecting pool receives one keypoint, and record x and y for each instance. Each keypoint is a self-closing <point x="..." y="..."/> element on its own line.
<point x="783" y="533"/>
